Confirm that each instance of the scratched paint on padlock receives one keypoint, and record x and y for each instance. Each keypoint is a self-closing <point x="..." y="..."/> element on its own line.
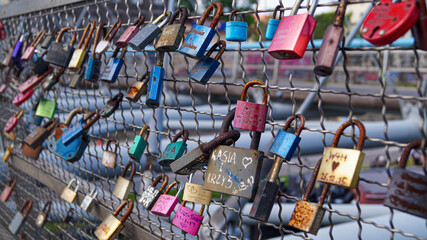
<point x="250" y="116"/>
<point x="234" y="171"/>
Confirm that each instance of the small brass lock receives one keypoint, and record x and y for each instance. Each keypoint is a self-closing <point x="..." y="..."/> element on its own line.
<point x="42" y="217"/>
<point x="109" y="158"/>
<point x="111" y="226"/>
<point x="68" y="194"/>
<point x="123" y="185"/>
<point x="195" y="193"/>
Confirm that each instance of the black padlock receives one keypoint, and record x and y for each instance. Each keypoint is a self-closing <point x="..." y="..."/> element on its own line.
<point x="58" y="54"/>
<point x="111" y="105"/>
<point x="41" y="66"/>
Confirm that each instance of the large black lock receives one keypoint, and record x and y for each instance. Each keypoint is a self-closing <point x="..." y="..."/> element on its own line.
<point x="58" y="54"/>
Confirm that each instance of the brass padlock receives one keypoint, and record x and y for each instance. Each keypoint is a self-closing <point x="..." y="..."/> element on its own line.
<point x="109" y="158"/>
<point x="138" y="88"/>
<point x="123" y="185"/>
<point x="172" y="34"/>
<point x="195" y="193"/>
<point x="37" y="136"/>
<point x="68" y="194"/>
<point x="80" y="53"/>
<point x="8" y="152"/>
<point x="111" y="226"/>
<point x="342" y="166"/>
<point x="42" y="217"/>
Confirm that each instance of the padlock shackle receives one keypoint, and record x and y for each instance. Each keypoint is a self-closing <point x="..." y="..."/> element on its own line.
<point x="77" y="184"/>
<point x="248" y="85"/>
<point x="145" y="78"/>
<point x="19" y="113"/>
<point x="178" y="183"/>
<point x="208" y="10"/>
<point x="162" y="177"/>
<point x="183" y="133"/>
<point x="85" y="35"/>
<point x="340" y="14"/>
<point x="139" y="21"/>
<point x="291" y="119"/>
<point x="296" y="6"/>
<point x="94" y="193"/>
<point x="93" y="120"/>
<point x="38" y="38"/>
<point x="201" y="209"/>
<point x="112" y="141"/>
<point x="222" y="46"/>
<point x="220" y="140"/>
<point x="160" y="58"/>
<point x="12" y="182"/>
<point x="51" y="124"/>
<point x="73" y="113"/>
<point x="233" y="14"/>
<point x="96" y="39"/>
<point x="312" y="181"/>
<point x="115" y="27"/>
<point x="123" y="54"/>
<point x="49" y="71"/>
<point x="313" y="7"/>
<point x="132" y="170"/>
<point x="341" y="129"/>
<point x="407" y="151"/>
<point x="183" y="11"/>
<point x="28" y="204"/>
<point x="165" y="17"/>
<point x="226" y="123"/>
<point x="65" y="29"/>
<point x="46" y="207"/>
<point x="115" y="99"/>
<point x="128" y="202"/>
<point x="145" y="130"/>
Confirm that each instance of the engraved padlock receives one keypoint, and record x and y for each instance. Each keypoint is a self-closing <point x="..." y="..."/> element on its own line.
<point x="195" y="193"/>
<point x="165" y="204"/>
<point x="207" y="66"/>
<point x="44" y="213"/>
<point x="123" y="185"/>
<point x="273" y="23"/>
<point x="80" y="53"/>
<point x="106" y="43"/>
<point x="109" y="158"/>
<point x="341" y="166"/>
<point x="174" y="150"/>
<point x="68" y="194"/>
<point x="155" y="86"/>
<point x="28" y="54"/>
<point x="139" y="144"/>
<point x="112" y="69"/>
<point x="47" y="108"/>
<point x="173" y="34"/>
<point x="58" y="54"/>
<point x="151" y="194"/>
<point x="93" y="68"/>
<point x="149" y="32"/>
<point x="89" y="200"/>
<point x="20" y="217"/>
<point x="111" y="106"/>
<point x="420" y="28"/>
<point x="236" y="31"/>
<point x="187" y="219"/>
<point x="111" y="227"/>
<point x="39" y="135"/>
<point x="138" y="88"/>
<point x="8" y="189"/>
<point x="129" y="33"/>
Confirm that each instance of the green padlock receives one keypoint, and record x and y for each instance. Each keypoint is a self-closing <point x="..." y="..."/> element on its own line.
<point x="139" y="144"/>
<point x="175" y="149"/>
<point x="46" y="107"/>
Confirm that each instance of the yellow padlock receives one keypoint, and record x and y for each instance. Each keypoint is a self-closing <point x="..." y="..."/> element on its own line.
<point x="80" y="53"/>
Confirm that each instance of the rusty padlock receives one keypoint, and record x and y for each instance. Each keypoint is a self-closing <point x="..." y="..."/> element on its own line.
<point x="7" y="191"/>
<point x="111" y="106"/>
<point x="42" y="217"/>
<point x="20" y="217"/>
<point x="123" y="185"/>
<point x="138" y="88"/>
<point x="109" y="158"/>
<point x="111" y="226"/>
<point x="175" y="149"/>
<point x="172" y="34"/>
<point x="39" y="135"/>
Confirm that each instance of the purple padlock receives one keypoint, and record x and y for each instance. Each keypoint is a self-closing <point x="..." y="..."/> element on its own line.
<point x="251" y="116"/>
<point x="129" y="33"/>
<point x="188" y="220"/>
<point x="165" y="204"/>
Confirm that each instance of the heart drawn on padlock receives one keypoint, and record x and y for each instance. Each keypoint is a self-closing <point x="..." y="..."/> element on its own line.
<point x="246" y="161"/>
<point x="335" y="165"/>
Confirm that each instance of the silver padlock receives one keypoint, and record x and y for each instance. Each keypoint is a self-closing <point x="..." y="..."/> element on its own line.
<point x="89" y="200"/>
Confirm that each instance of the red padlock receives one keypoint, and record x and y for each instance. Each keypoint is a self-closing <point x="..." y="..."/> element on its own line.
<point x="22" y="97"/>
<point x="420" y="28"/>
<point x="388" y="21"/>
<point x="130" y="32"/>
<point x="33" y="81"/>
<point x="13" y="121"/>
<point x="7" y="191"/>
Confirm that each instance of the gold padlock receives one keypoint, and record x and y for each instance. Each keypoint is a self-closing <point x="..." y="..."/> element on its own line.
<point x="42" y="217"/>
<point x="195" y="193"/>
<point x="109" y="158"/>
<point x="68" y="194"/>
<point x="342" y="166"/>
<point x="8" y="152"/>
<point x="80" y="53"/>
<point x="111" y="226"/>
<point x="123" y="185"/>
<point x="11" y="135"/>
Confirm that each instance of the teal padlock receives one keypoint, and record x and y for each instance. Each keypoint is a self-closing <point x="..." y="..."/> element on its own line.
<point x="47" y="108"/>
<point x="139" y="144"/>
<point x="175" y="149"/>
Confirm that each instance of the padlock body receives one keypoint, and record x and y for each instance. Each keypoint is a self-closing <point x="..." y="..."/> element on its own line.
<point x="7" y="191"/>
<point x="46" y="108"/>
<point x="124" y="39"/>
<point x="164" y="205"/>
<point x="328" y="52"/>
<point x="135" y="92"/>
<point x="102" y="46"/>
<point x="108" y="227"/>
<point x="155" y="87"/>
<point x="112" y="70"/>
<point x="109" y="159"/>
<point x="307" y="217"/>
<point x="292" y="36"/>
<point x="7" y="61"/>
<point x="11" y="123"/>
<point x="77" y="59"/>
<point x="196" y="193"/>
<point x="190" y="162"/>
<point x="22" y="97"/>
<point x="149" y="197"/>
<point x="187" y="220"/>
<point x="17" y="223"/>
<point x="68" y="195"/>
<point x="30" y="83"/>
<point x="234" y="171"/>
<point x="71" y="152"/>
<point x="76" y="79"/>
<point x="41" y="66"/>
<point x="17" y="51"/>
<point x="87" y="203"/>
<point x="28" y="53"/>
<point x="236" y="31"/>
<point x="93" y="70"/>
<point x="272" y="26"/>
<point x="33" y="119"/>
<point x="407" y="192"/>
<point x="41" y="220"/>
<point x="197" y="41"/>
<point x="144" y="37"/>
<point x="170" y="38"/>
<point x="107" y="110"/>
<point x="341" y="167"/>
<point x="264" y="201"/>
<point x="32" y="153"/>
<point x="7" y="154"/>
<point x="285" y="144"/>
<point x="172" y="152"/>
<point x="122" y="188"/>
<point x="46" y="42"/>
<point x="420" y="33"/>
<point x="59" y="55"/>
<point x="138" y="148"/>
<point x="204" y="69"/>
<point x="73" y="132"/>
<point x="36" y="137"/>
<point x="250" y="116"/>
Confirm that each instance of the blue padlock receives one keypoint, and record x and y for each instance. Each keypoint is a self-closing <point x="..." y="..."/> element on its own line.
<point x="236" y="31"/>
<point x="285" y="143"/>
<point x="206" y="67"/>
<point x="33" y="119"/>
<point x="94" y="64"/>
<point x="112" y="70"/>
<point x="155" y="85"/>
<point x="74" y="150"/>
<point x="78" y="129"/>
<point x="273" y="23"/>
<point x="199" y="37"/>
<point x="17" y="50"/>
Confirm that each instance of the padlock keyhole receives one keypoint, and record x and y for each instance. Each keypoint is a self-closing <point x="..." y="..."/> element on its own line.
<point x="373" y="31"/>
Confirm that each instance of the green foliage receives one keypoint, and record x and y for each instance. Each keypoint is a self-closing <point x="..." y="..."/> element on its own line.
<point x="323" y="21"/>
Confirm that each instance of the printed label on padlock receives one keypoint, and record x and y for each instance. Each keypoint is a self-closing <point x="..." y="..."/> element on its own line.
<point x="197" y="41"/>
<point x="250" y="116"/>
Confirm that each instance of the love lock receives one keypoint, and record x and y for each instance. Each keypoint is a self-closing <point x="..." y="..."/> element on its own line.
<point x="111" y="106"/>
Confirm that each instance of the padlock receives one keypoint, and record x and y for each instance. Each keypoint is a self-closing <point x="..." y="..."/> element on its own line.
<point x="293" y="33"/>
<point x="77" y="130"/>
<point x="42" y="217"/>
<point x="139" y="144"/>
<point x="109" y="158"/>
<point x="7" y="191"/>
<point x="195" y="193"/>
<point x="273" y="23"/>
<point x="251" y="116"/>
<point x="111" y="106"/>
<point x="106" y="43"/>
<point x="22" y="97"/>
<point x="69" y="216"/>
<point x="175" y="149"/>
<point x="76" y="79"/>
<point x="236" y="31"/>
<point x="20" y="217"/>
<point x="39" y="135"/>
<point x="40" y="66"/>
<point x="233" y="170"/>
<point x="283" y="146"/>
<point x="199" y="37"/>
<point x="7" y="62"/>
<point x="138" y="88"/>
<point x="48" y="39"/>
<point x="46" y="107"/>
<point x="111" y="227"/>
<point x="123" y="185"/>
<point x="2" y="32"/>
<point x="93" y="66"/>
<point x="48" y="84"/>
<point x="187" y="219"/>
<point x="129" y="33"/>
<point x="149" y="32"/>
<point x="58" y="54"/>
<point x="308" y="216"/>
<point x="388" y="21"/>
<point x="17" y="50"/>
<point x="332" y="38"/>
<point x="28" y="53"/>
<point x="80" y="53"/>
<point x="32" y="153"/>
<point x="89" y="200"/>
<point x="13" y="121"/>
<point x="33" y="81"/>
<point x="207" y="66"/>
<point x="420" y="28"/>
<point x="155" y="86"/>
<point x="165" y="204"/>
<point x="173" y="34"/>
<point x="68" y="194"/>
<point x="32" y="118"/>
<point x="10" y="135"/>
<point x="151" y="194"/>
<point x="112" y="69"/>
<point x="342" y="166"/>
<point x="8" y="151"/>
<point x="407" y="190"/>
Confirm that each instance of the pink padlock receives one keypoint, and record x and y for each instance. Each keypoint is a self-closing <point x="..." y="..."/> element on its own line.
<point x="165" y="204"/>
<point x="130" y="32"/>
<point x="28" y="53"/>
<point x="13" y="121"/>
<point x="251" y="116"/>
<point x="33" y="81"/>
<point x="187" y="219"/>
<point x="22" y="97"/>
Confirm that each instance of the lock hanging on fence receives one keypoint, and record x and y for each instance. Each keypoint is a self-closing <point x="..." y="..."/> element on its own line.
<point x="123" y="185"/>
<point x="89" y="200"/>
<point x="236" y="31"/>
<point x="419" y="30"/>
<point x="111" y="227"/>
<point x="109" y="158"/>
<point x="69" y="216"/>
<point x="207" y="66"/>
<point x="44" y="213"/>
<point x="17" y="50"/>
<point x="46" y="107"/>
<point x="93" y="68"/>
<point x="20" y="217"/>
<point x="129" y="33"/>
<point x="172" y="34"/>
<point x="8" y="151"/>
<point x="22" y="97"/>
<point x="48" y="39"/>
<point x="76" y="79"/>
<point x="273" y="23"/>
<point x="196" y="193"/>
<point x="138" y="88"/>
<point x="8" y="189"/>
<point x="199" y="37"/>
<point x="151" y="194"/>
<point x="33" y="81"/>
<point x="28" y="54"/>
<point x="80" y="53"/>
<point x="165" y="204"/>
<point x="7" y="61"/>
<point x="58" y="54"/>
<point x="139" y="144"/>
<point x="13" y="121"/>
<point x="39" y="135"/>
<point x="155" y="86"/>
<point x="111" y="106"/>
<point x="40" y="66"/>
<point x="77" y="130"/>
<point x="149" y="32"/>
<point x="187" y="219"/>
<point x="106" y="43"/>
<point x="112" y="69"/>
<point x="68" y="194"/>
<point x="174" y="150"/>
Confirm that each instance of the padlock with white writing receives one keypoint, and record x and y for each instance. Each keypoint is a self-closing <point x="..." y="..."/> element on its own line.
<point x="187" y="219"/>
<point x="28" y="53"/>
<point x="47" y="108"/>
<point x="195" y="193"/>
<point x="420" y="28"/>
<point x="149" y="32"/>
<point x="111" y="106"/>
<point x="58" y="54"/>
<point x="165" y="204"/>
<point x="151" y="194"/>
<point x="123" y="185"/>
<point x="80" y="53"/>
<point x="138" y="88"/>
<point x="173" y="34"/>
<point x="104" y="44"/>
<point x="68" y="194"/>
<point x="93" y="67"/>
<point x="273" y="23"/>
<point x="207" y="66"/>
<point x="89" y="200"/>
<point x="13" y="121"/>
<point x="39" y="135"/>
<point x="20" y="217"/>
<point x="112" y="69"/>
<point x="236" y="31"/>
<point x="139" y="144"/>
<point x="7" y="191"/>
<point x="199" y="37"/>
<point x="155" y="86"/>
<point x="174" y="150"/>
<point x="341" y="166"/>
<point x="42" y="217"/>
<point x="111" y="227"/>
<point x="129" y="33"/>
<point x="109" y="158"/>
